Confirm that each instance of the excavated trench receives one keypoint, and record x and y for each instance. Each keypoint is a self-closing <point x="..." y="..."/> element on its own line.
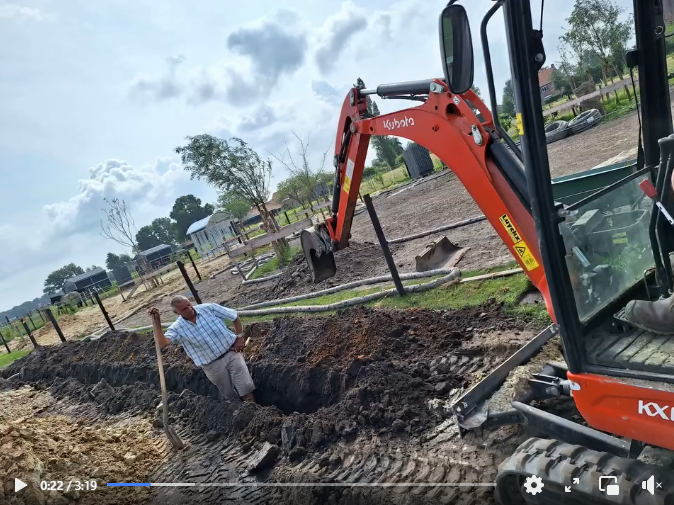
<point x="321" y="383"/>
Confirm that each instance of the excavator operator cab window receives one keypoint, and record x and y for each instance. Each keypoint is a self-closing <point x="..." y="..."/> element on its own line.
<point x="607" y="243"/>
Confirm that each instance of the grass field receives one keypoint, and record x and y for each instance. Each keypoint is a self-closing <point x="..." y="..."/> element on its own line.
<point x="506" y="290"/>
<point x="273" y="264"/>
<point x="6" y="359"/>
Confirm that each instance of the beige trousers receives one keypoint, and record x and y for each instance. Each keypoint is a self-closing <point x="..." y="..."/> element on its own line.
<point x="230" y="375"/>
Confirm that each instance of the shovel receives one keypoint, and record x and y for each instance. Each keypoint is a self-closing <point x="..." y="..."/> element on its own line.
<point x="170" y="432"/>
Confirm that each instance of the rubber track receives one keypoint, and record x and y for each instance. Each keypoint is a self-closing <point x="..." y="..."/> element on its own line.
<point x="445" y="459"/>
<point x="558" y="464"/>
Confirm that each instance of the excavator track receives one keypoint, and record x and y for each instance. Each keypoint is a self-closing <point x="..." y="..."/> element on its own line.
<point x="558" y="464"/>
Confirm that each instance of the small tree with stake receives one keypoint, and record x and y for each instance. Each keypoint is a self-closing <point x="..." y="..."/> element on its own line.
<point x="120" y="227"/>
<point x="233" y="166"/>
<point x="299" y="166"/>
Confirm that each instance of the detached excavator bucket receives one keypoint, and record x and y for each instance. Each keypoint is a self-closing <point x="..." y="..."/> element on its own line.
<point x="320" y="259"/>
<point x="440" y="254"/>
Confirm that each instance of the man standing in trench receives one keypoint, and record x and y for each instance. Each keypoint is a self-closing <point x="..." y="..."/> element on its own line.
<point x="210" y="344"/>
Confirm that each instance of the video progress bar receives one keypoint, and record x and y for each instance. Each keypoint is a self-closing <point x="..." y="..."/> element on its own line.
<point x="302" y="484"/>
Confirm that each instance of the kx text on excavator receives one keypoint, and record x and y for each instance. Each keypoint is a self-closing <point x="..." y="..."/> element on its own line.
<point x="589" y="259"/>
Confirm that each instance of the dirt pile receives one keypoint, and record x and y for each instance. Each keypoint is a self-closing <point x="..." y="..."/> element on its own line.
<point x="38" y="445"/>
<point x="356" y="262"/>
<point x="320" y="380"/>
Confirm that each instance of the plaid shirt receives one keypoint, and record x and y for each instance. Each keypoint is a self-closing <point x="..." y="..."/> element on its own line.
<point x="209" y="338"/>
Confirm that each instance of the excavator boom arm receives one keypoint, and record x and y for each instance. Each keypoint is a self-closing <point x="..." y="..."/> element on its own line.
<point x="458" y="129"/>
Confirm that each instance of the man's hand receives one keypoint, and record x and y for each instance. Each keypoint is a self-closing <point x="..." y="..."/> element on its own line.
<point x="238" y="345"/>
<point x="154" y="313"/>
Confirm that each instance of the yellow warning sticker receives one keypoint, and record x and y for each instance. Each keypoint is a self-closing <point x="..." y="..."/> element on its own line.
<point x="347" y="183"/>
<point x="349" y="174"/>
<point x="520" y="125"/>
<point x="525" y="255"/>
<point x="510" y="228"/>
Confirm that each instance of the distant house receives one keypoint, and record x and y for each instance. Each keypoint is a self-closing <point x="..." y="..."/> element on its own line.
<point x="545" y="81"/>
<point x="158" y="256"/>
<point x="208" y="234"/>
<point x="253" y="216"/>
<point x="93" y="280"/>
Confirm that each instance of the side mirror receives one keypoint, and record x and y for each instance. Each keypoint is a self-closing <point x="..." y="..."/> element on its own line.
<point x="456" y="47"/>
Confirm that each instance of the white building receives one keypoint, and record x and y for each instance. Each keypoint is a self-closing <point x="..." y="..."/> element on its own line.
<point x="209" y="234"/>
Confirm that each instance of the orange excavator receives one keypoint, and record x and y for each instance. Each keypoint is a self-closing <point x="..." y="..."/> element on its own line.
<point x="588" y="258"/>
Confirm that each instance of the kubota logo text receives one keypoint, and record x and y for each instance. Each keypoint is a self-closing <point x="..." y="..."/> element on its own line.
<point x="653" y="409"/>
<point x="392" y="124"/>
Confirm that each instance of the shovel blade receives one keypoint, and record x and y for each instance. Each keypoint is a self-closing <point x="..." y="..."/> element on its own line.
<point x="173" y="437"/>
<point x="440" y="254"/>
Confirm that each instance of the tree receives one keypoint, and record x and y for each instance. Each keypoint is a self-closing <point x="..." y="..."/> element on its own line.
<point x="594" y="25"/>
<point x="113" y="261"/>
<point x="508" y="100"/>
<point x="561" y="83"/>
<point x="299" y="166"/>
<point x="294" y="189"/>
<point x="234" y="204"/>
<point x="387" y="148"/>
<point x="118" y="224"/>
<point x="160" y="231"/>
<point x="56" y="280"/>
<point x="565" y="66"/>
<point x="186" y="210"/>
<point x="233" y="165"/>
<point x="92" y="267"/>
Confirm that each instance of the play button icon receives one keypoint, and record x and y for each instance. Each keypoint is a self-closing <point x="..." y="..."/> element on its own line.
<point x="18" y="485"/>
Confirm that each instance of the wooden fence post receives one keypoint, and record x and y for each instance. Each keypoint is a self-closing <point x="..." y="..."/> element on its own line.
<point x="30" y="336"/>
<point x="188" y="281"/>
<point x="105" y="314"/>
<point x="3" y="341"/>
<point x="51" y="318"/>
<point x="194" y="265"/>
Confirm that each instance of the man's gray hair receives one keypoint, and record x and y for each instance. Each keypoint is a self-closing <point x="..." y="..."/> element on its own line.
<point x="178" y="299"/>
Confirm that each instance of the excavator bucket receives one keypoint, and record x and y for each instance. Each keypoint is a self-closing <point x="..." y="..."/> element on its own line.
<point x="440" y="254"/>
<point x="320" y="258"/>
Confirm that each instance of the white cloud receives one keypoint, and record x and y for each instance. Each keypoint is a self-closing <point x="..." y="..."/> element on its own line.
<point x="336" y="34"/>
<point x="13" y="11"/>
<point x="158" y="88"/>
<point x="139" y="187"/>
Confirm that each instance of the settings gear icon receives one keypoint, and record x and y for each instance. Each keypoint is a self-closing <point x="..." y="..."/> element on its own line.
<point x="533" y="485"/>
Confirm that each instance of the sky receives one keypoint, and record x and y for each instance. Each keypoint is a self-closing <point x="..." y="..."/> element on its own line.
<point x="96" y="96"/>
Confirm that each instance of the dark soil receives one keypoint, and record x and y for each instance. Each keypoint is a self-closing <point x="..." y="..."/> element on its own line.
<point x="318" y="380"/>
<point x="358" y="261"/>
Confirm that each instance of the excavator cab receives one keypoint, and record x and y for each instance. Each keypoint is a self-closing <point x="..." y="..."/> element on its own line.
<point x="588" y="257"/>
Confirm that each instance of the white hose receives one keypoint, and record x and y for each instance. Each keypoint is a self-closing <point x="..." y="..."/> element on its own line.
<point x="352" y="301"/>
<point x="262" y="279"/>
<point x="348" y="285"/>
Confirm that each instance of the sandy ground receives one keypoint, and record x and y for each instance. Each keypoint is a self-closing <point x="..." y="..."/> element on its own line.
<point x="42" y="439"/>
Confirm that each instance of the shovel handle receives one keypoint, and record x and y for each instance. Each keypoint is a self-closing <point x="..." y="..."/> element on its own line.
<point x="156" y="328"/>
